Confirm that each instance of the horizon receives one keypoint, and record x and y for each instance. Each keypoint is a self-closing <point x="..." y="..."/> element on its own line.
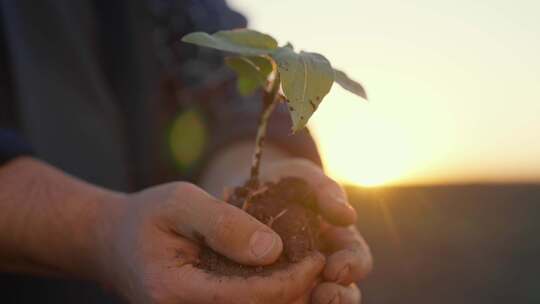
<point x="453" y="95"/>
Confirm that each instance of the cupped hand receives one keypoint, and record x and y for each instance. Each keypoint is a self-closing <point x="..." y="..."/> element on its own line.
<point x="152" y="243"/>
<point x="349" y="258"/>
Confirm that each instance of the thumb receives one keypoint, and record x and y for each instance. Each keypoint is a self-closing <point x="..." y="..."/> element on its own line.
<point x="223" y="227"/>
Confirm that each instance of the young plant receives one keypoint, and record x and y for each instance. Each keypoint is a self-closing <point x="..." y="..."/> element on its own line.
<point x="301" y="79"/>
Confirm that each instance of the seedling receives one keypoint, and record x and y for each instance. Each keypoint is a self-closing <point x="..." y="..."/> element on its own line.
<point x="301" y="79"/>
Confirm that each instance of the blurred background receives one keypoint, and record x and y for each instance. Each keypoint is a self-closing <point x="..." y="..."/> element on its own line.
<point x="443" y="162"/>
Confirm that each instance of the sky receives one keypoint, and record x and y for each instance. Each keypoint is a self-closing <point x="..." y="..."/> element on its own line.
<point x="454" y="86"/>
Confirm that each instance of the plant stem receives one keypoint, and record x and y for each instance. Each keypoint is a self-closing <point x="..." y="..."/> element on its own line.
<point x="270" y="100"/>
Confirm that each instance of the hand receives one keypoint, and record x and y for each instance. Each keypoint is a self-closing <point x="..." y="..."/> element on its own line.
<point x="151" y="245"/>
<point x="349" y="258"/>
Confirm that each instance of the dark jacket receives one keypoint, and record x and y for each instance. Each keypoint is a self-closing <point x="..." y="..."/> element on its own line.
<point x="94" y="88"/>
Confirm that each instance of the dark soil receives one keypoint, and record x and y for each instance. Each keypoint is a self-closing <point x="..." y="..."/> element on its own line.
<point x="289" y="207"/>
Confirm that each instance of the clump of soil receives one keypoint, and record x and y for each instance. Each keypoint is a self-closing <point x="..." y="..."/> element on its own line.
<point x="289" y="207"/>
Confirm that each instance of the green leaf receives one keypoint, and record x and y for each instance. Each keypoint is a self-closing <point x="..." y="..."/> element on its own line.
<point x="348" y="84"/>
<point x="264" y="64"/>
<point x="252" y="72"/>
<point x="249" y="38"/>
<point x="241" y="41"/>
<point x="306" y="78"/>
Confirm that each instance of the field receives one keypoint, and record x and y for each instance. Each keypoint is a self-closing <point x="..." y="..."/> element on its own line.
<point x="452" y="244"/>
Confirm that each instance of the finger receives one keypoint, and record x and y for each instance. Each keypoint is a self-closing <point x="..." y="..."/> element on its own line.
<point x="350" y="259"/>
<point x="306" y="296"/>
<point x="226" y="229"/>
<point x="304" y="299"/>
<point x="330" y="293"/>
<point x="333" y="202"/>
<point x="283" y="286"/>
<point x="332" y="199"/>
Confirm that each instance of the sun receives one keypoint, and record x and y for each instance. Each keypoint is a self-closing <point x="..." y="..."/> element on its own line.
<point x="358" y="144"/>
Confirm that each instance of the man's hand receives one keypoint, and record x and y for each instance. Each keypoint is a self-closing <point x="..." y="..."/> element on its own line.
<point x="151" y="246"/>
<point x="141" y="245"/>
<point x="155" y="242"/>
<point x="349" y="258"/>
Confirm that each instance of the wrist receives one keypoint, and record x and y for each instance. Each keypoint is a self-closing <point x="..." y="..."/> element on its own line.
<point x="111" y="208"/>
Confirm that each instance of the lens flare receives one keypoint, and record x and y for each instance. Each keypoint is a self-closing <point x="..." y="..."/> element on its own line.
<point x="187" y="139"/>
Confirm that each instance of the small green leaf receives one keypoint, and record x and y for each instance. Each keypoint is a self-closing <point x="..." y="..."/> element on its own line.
<point x="241" y="41"/>
<point x="252" y="72"/>
<point x="247" y="86"/>
<point x="264" y="64"/>
<point x="249" y="38"/>
<point x="348" y="84"/>
<point x="306" y="78"/>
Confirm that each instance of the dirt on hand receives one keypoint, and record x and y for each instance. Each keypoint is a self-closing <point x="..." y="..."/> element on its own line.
<point x="289" y="207"/>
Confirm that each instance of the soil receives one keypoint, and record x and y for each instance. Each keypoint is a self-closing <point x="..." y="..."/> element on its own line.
<point x="289" y="207"/>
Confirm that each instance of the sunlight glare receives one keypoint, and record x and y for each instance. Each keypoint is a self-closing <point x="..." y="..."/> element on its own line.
<point x="358" y="144"/>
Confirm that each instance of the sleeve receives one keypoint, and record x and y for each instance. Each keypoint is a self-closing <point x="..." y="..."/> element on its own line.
<point x="203" y="82"/>
<point x="12" y="145"/>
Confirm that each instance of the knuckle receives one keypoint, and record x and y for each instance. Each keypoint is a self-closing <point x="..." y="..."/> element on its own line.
<point x="361" y="262"/>
<point x="184" y="189"/>
<point x="363" y="255"/>
<point x="326" y="293"/>
<point x="223" y="226"/>
<point x="175" y="197"/>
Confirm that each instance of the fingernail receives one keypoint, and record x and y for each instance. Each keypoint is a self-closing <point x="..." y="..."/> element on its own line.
<point x="339" y="198"/>
<point x="348" y="206"/>
<point x="261" y="243"/>
<point x="342" y="203"/>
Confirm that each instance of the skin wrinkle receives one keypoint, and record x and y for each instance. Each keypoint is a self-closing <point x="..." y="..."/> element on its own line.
<point x="20" y="233"/>
<point x="221" y="226"/>
<point x="31" y="199"/>
<point x="335" y="299"/>
<point x="343" y="273"/>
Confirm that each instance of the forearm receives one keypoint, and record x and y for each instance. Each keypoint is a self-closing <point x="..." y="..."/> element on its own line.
<point x="51" y="223"/>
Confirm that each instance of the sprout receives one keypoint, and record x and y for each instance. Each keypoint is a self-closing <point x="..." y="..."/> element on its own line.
<point x="305" y="78"/>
